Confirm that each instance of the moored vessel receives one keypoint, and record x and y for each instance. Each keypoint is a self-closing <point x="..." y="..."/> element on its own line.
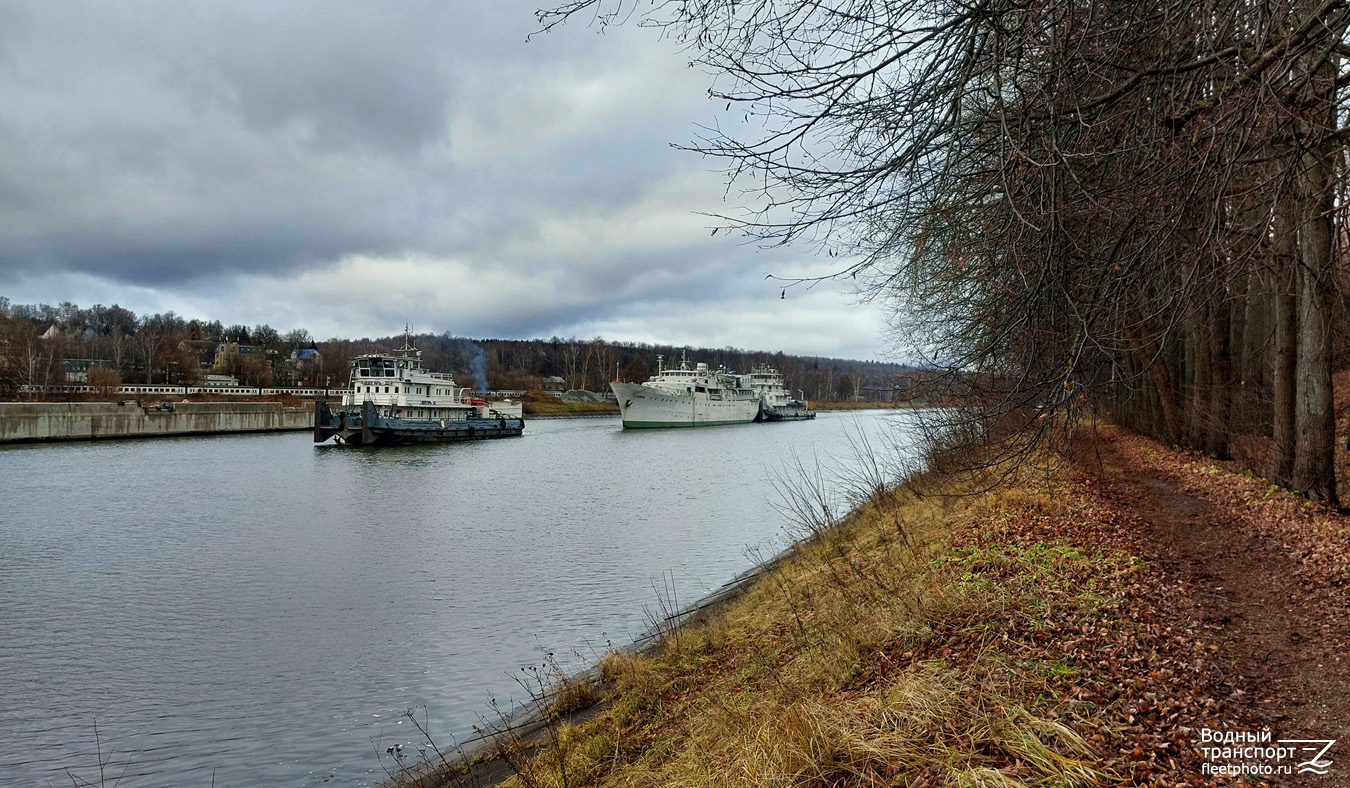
<point x="776" y="402"/>
<point x="684" y="397"/>
<point x="392" y="400"/>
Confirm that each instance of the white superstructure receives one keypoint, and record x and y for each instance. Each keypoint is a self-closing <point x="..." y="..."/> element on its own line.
<point x="777" y="401"/>
<point x="767" y="382"/>
<point x="397" y="385"/>
<point x="684" y="397"/>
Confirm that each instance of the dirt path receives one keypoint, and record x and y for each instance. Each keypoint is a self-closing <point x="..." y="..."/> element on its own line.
<point x="1282" y="634"/>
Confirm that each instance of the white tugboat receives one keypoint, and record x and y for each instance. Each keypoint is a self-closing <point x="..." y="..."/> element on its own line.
<point x="684" y="397"/>
<point x="392" y="400"/>
<point x="776" y="402"/>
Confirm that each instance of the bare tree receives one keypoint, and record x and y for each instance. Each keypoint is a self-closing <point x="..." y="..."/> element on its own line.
<point x="1064" y="202"/>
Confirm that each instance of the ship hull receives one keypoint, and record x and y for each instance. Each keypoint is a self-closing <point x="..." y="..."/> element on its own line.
<point x="793" y="412"/>
<point x="363" y="426"/>
<point x="643" y="407"/>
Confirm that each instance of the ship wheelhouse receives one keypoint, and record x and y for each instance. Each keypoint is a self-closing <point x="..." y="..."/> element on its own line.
<point x="767" y="383"/>
<point x="398" y="386"/>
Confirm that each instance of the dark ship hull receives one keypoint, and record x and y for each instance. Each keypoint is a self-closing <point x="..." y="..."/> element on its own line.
<point x="793" y="411"/>
<point x="363" y="426"/>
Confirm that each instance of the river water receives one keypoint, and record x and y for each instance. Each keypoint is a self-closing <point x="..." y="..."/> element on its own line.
<point x="258" y="611"/>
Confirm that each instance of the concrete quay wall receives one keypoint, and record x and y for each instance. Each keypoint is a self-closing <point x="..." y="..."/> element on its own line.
<point x="30" y="422"/>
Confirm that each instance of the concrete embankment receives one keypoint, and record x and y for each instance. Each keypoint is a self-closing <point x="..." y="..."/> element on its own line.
<point x="38" y="422"/>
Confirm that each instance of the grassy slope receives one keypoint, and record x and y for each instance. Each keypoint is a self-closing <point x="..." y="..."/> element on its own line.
<point x="998" y="639"/>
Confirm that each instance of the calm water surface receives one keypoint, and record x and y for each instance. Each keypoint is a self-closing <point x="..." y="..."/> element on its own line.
<point x="255" y="610"/>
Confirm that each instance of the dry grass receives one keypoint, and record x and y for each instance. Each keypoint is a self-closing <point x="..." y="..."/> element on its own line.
<point x="866" y="659"/>
<point x="939" y="634"/>
<point x="572" y="695"/>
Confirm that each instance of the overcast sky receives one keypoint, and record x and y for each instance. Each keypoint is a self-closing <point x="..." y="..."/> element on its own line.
<point x="350" y="166"/>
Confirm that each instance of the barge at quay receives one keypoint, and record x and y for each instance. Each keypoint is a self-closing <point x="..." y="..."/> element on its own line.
<point x="392" y="400"/>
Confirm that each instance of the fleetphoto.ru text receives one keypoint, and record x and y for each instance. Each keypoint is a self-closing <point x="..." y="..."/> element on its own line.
<point x="1259" y="753"/>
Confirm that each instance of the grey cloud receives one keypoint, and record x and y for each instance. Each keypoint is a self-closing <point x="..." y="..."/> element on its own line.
<point x="662" y="279"/>
<point x="174" y="145"/>
<point x="290" y="131"/>
<point x="370" y="77"/>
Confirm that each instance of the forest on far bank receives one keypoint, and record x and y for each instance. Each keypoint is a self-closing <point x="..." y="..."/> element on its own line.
<point x="43" y="345"/>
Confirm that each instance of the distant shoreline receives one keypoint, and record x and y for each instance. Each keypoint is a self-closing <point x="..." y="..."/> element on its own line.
<point x="565" y="410"/>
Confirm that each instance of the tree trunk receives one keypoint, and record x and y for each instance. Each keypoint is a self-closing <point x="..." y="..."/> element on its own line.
<point x="1314" y="472"/>
<point x="1284" y="380"/>
<point x="1201" y="380"/>
<point x="1218" y="424"/>
<point x="1314" y="417"/>
<point x="1251" y="343"/>
<point x="1244" y="388"/>
<point x="1150" y="357"/>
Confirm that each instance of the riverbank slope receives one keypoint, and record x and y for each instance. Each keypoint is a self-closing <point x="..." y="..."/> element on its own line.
<point x="1081" y="627"/>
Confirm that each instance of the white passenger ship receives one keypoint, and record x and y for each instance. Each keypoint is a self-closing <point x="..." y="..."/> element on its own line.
<point x="391" y="399"/>
<point x="685" y="397"/>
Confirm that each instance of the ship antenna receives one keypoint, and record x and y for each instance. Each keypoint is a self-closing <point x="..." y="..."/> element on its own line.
<point x="407" y="348"/>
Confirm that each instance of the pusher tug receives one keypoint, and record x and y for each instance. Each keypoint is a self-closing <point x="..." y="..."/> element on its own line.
<point x="392" y="400"/>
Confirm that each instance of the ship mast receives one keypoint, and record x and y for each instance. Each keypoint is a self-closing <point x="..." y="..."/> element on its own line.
<point x="408" y="349"/>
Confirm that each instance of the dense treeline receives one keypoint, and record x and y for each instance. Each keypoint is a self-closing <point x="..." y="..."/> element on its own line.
<point x="40" y="345"/>
<point x="523" y="364"/>
<point x="1097" y="205"/>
